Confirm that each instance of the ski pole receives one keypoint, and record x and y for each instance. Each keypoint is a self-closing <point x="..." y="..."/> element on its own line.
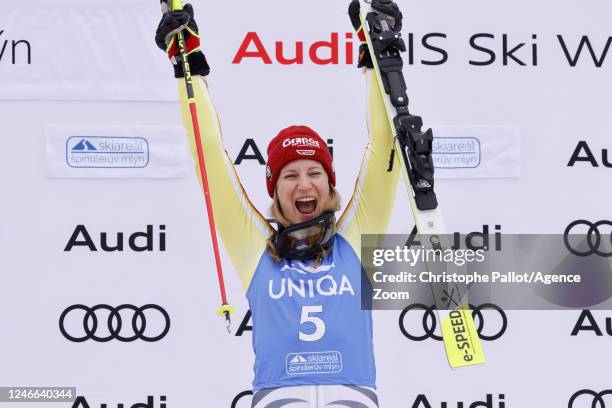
<point x="225" y="309"/>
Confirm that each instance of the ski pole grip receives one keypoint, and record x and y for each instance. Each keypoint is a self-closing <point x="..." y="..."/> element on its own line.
<point x="177" y="5"/>
<point x="174" y="5"/>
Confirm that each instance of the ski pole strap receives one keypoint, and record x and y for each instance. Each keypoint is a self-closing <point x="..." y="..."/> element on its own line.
<point x="416" y="145"/>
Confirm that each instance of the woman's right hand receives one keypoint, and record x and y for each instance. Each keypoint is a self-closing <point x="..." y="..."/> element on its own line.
<point x="173" y="22"/>
<point x="365" y="60"/>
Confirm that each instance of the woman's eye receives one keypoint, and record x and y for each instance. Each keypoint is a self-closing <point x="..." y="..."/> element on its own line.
<point x="289" y="176"/>
<point x="315" y="173"/>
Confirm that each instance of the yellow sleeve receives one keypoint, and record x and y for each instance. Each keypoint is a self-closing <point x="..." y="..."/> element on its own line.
<point x="369" y="209"/>
<point x="240" y="226"/>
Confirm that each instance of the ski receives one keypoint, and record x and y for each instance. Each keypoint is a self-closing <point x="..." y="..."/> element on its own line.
<point x="413" y="152"/>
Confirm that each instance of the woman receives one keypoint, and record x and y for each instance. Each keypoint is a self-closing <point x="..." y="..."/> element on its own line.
<point x="312" y="340"/>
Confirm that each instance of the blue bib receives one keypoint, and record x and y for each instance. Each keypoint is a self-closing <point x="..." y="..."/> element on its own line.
<point x="308" y="325"/>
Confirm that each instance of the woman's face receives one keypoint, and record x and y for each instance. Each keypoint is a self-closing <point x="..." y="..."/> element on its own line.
<point x="303" y="190"/>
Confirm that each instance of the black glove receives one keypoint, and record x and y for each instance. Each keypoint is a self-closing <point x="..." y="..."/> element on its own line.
<point x="173" y="22"/>
<point x="365" y="59"/>
<point x="391" y="9"/>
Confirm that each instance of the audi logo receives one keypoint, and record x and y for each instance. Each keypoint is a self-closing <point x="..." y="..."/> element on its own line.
<point x="597" y="400"/>
<point x="593" y="238"/>
<point x="430" y="321"/>
<point x="114" y="323"/>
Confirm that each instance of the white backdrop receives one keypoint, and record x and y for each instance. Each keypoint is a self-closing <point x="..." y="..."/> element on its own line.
<point x="92" y="69"/>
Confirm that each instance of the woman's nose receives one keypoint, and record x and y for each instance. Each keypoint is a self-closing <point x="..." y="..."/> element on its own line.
<point x="304" y="182"/>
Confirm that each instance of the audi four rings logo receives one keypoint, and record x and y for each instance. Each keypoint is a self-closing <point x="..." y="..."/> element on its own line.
<point x="593" y="238"/>
<point x="597" y="400"/>
<point x="430" y="322"/>
<point x="114" y="323"/>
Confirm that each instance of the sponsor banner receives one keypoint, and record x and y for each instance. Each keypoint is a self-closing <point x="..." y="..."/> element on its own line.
<point x="86" y="267"/>
<point x="476" y="152"/>
<point x="149" y="323"/>
<point x="112" y="55"/>
<point x="115" y="58"/>
<point x="91" y="151"/>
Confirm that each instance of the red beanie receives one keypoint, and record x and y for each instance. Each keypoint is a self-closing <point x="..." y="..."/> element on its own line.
<point x="295" y="143"/>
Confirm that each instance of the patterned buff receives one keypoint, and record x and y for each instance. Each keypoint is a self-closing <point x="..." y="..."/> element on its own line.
<point x="295" y="143"/>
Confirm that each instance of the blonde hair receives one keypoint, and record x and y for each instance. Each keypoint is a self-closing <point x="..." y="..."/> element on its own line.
<point x="333" y="204"/>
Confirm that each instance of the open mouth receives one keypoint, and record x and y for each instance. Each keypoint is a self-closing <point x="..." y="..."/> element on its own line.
<point x="306" y="205"/>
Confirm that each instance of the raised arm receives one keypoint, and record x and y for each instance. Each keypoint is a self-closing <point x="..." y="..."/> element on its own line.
<point x="241" y="227"/>
<point x="369" y="209"/>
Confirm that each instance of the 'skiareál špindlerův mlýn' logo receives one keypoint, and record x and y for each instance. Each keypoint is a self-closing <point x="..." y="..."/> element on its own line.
<point x="107" y="152"/>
